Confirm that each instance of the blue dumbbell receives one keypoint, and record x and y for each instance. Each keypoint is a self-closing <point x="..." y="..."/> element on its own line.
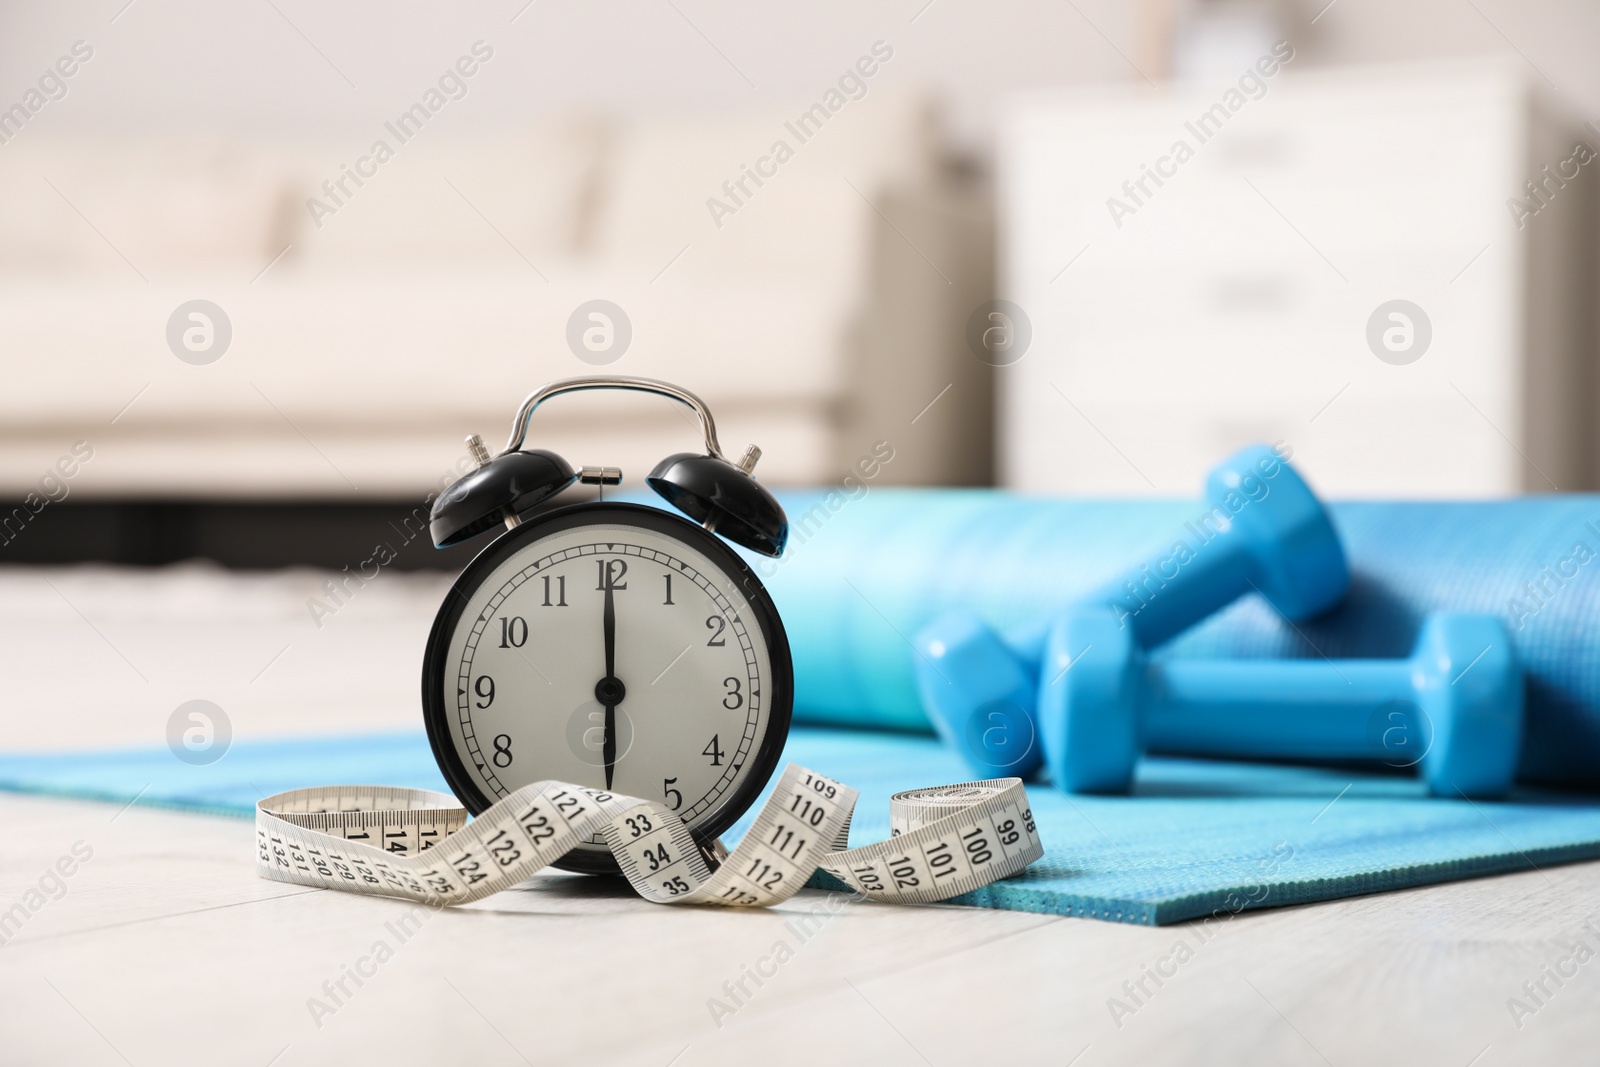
<point x="1262" y="529"/>
<point x="980" y="696"/>
<point x="1454" y="706"/>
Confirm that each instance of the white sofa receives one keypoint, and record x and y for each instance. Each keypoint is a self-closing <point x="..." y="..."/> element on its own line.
<point x="820" y="317"/>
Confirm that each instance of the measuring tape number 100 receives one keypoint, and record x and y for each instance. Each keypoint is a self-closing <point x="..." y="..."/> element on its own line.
<point x="418" y="845"/>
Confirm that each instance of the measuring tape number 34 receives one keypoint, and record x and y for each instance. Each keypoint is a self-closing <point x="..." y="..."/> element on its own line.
<point x="418" y="845"/>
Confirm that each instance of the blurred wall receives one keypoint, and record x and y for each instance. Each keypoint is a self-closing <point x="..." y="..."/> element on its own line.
<point x="330" y="73"/>
<point x="291" y="64"/>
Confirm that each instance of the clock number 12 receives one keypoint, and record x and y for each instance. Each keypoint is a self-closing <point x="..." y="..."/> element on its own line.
<point x="611" y="572"/>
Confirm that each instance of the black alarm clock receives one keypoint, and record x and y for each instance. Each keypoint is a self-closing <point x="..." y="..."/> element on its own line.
<point x="607" y="643"/>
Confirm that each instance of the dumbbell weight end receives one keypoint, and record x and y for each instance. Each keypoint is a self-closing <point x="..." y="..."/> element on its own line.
<point x="979" y="695"/>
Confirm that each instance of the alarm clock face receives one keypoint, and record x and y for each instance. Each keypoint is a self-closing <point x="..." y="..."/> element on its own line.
<point x="615" y="646"/>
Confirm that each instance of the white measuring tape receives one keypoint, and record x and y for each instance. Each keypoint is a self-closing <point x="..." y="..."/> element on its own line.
<point x="417" y="844"/>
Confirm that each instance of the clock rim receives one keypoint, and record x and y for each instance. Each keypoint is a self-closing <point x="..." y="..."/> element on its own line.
<point x="780" y="687"/>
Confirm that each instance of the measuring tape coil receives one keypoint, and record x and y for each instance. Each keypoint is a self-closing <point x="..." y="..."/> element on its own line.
<point x="418" y="844"/>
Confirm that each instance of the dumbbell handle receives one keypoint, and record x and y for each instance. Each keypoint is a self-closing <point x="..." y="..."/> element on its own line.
<point x="1218" y="573"/>
<point x="1281" y="709"/>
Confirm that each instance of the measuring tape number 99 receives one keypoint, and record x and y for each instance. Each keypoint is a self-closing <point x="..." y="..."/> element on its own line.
<point x="418" y="845"/>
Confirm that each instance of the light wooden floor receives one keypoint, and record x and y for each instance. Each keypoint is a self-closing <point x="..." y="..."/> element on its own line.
<point x="167" y="949"/>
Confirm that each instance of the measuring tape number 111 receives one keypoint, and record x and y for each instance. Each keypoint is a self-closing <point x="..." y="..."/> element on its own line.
<point x="417" y="845"/>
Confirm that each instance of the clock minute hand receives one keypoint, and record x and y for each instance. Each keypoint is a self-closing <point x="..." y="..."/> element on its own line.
<point x="608" y="749"/>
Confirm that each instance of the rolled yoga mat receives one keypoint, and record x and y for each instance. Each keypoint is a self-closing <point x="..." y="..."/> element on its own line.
<point x="864" y="572"/>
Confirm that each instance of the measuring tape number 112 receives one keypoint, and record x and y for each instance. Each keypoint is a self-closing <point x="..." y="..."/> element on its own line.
<point x="418" y="845"/>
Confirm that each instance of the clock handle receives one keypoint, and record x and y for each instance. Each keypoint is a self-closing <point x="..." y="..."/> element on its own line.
<point x="519" y="425"/>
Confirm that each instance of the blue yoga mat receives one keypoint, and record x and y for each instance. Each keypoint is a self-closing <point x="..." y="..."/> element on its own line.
<point x="863" y="573"/>
<point x="1195" y="838"/>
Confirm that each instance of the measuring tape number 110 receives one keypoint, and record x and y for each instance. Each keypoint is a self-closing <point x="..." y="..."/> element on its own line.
<point x="418" y="845"/>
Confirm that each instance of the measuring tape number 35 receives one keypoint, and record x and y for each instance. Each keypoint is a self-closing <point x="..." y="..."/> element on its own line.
<point x="418" y="845"/>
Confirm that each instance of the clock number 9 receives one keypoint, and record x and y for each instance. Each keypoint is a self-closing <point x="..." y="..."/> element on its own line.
<point x="484" y="687"/>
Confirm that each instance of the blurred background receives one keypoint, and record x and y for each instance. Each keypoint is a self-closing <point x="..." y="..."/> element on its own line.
<point x="264" y="265"/>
